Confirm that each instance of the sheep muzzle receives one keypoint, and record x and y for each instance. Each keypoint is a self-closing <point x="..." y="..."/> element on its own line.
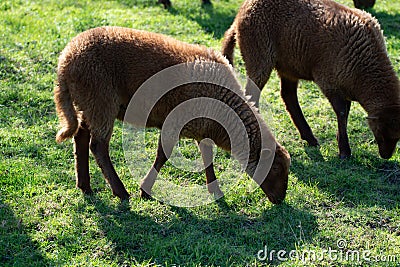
<point x="275" y="185"/>
<point x="387" y="147"/>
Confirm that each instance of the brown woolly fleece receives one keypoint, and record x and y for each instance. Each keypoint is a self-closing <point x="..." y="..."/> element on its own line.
<point x="101" y="69"/>
<point x="339" y="48"/>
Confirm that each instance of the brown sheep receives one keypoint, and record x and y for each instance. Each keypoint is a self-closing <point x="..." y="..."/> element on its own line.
<point x="167" y="3"/>
<point x="100" y="71"/>
<point x="339" y="48"/>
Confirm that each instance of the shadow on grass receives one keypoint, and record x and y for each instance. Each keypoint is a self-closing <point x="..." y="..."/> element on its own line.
<point x="16" y="247"/>
<point x="139" y="3"/>
<point x="313" y="153"/>
<point x="183" y="237"/>
<point x="213" y="20"/>
<point x="363" y="179"/>
<point x="390" y="23"/>
<point x="10" y="70"/>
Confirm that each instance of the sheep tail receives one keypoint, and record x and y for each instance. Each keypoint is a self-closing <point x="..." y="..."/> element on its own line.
<point x="65" y="112"/>
<point x="229" y="42"/>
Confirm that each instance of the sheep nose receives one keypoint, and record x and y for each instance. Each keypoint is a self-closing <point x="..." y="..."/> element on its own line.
<point x="386" y="154"/>
<point x="387" y="150"/>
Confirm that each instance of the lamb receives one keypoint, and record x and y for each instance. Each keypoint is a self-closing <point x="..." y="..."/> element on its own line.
<point x="102" y="69"/>
<point x="167" y="3"/>
<point x="339" y="48"/>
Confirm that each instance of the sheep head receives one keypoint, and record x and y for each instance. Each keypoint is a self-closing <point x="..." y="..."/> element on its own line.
<point x="386" y="128"/>
<point x="276" y="182"/>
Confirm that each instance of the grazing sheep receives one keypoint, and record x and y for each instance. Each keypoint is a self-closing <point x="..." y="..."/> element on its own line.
<point x="339" y="48"/>
<point x="167" y="3"/>
<point x="100" y="71"/>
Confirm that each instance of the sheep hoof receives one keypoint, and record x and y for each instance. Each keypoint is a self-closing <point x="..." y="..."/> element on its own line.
<point x="310" y="139"/>
<point x="144" y="195"/>
<point x="87" y="191"/>
<point x="218" y="195"/>
<point x="124" y="196"/>
<point x="344" y="153"/>
<point x="214" y="189"/>
<point x="344" y="156"/>
<point x="314" y="143"/>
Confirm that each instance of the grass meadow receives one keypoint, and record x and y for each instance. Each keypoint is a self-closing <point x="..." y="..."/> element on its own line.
<point x="351" y="206"/>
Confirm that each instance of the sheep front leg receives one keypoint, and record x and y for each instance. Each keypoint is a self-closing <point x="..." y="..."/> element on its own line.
<point x="81" y="153"/>
<point x="100" y="150"/>
<point x="211" y="179"/>
<point x="289" y="96"/>
<point x="342" y="109"/>
<point x="148" y="182"/>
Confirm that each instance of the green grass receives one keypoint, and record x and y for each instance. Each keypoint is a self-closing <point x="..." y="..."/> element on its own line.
<point x="46" y="221"/>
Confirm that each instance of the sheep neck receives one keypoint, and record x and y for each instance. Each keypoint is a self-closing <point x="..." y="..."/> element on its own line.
<point x="376" y="95"/>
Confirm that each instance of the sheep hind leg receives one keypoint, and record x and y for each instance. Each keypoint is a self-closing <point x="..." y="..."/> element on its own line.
<point x="100" y="149"/>
<point x="211" y="179"/>
<point x="342" y="109"/>
<point x="81" y="153"/>
<point x="259" y="59"/>
<point x="289" y="96"/>
<point x="161" y="158"/>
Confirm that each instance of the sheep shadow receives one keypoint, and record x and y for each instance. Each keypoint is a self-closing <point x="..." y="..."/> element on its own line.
<point x="139" y="3"/>
<point x="184" y="236"/>
<point x="362" y="179"/>
<point x="16" y="247"/>
<point x="11" y="69"/>
<point x="212" y="20"/>
<point x="313" y="153"/>
<point x="390" y="23"/>
<point x="151" y="3"/>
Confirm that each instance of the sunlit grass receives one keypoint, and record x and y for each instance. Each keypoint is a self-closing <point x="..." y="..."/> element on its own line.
<point x="46" y="221"/>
